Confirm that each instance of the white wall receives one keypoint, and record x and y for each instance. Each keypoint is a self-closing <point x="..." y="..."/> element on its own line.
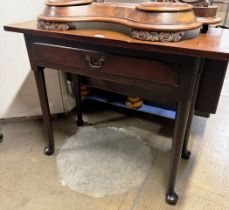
<point x="18" y="94"/>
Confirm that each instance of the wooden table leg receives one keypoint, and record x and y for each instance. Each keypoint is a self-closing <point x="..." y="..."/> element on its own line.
<point x="1" y="137"/>
<point x="183" y="109"/>
<point x="76" y="84"/>
<point x="184" y="115"/>
<point x="185" y="152"/>
<point x="40" y="81"/>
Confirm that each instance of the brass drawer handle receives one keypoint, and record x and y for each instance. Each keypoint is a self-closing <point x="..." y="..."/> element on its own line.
<point x="95" y="62"/>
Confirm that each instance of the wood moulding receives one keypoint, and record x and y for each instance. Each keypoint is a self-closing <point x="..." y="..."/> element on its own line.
<point x="152" y="36"/>
<point x="157" y="36"/>
<point x="202" y="3"/>
<point x="46" y="25"/>
<point x="207" y="15"/>
<point x="67" y="2"/>
<point x="199" y="3"/>
<point x="154" y="21"/>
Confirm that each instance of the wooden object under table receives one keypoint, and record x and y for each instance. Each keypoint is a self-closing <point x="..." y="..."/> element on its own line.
<point x="168" y="72"/>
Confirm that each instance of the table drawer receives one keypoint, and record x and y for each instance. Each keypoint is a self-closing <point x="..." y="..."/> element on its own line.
<point x="124" y="66"/>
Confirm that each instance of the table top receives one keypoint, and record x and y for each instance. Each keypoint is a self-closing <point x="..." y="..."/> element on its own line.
<point x="214" y="44"/>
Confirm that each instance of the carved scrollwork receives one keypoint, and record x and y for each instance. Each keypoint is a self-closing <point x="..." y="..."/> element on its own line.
<point x="157" y="36"/>
<point x="46" y="25"/>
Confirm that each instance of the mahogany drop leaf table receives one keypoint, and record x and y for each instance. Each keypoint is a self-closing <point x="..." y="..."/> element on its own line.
<point x="173" y="72"/>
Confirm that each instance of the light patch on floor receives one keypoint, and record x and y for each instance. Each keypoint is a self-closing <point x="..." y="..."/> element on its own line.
<point x="103" y="161"/>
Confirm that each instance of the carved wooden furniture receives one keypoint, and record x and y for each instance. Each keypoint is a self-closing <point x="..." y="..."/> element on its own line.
<point x="67" y="2"/>
<point x="152" y="21"/>
<point x="205" y="13"/>
<point x="198" y="3"/>
<point x="166" y="72"/>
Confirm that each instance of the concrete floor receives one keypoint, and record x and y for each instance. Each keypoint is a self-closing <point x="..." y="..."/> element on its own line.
<point x="30" y="180"/>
